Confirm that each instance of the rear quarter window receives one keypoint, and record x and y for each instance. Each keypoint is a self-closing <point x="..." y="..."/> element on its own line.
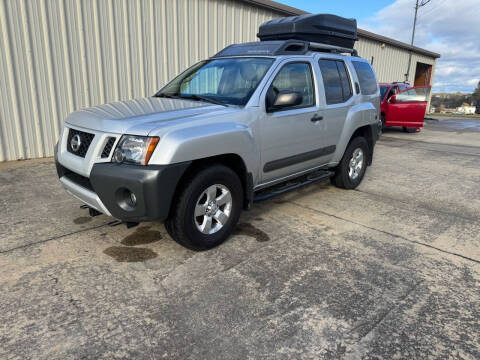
<point x="366" y="77"/>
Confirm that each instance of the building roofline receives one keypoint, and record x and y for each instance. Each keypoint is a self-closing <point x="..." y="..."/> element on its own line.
<point x="400" y="44"/>
<point x="289" y="10"/>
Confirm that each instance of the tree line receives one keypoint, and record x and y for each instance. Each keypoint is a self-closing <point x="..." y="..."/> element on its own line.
<point x="454" y="100"/>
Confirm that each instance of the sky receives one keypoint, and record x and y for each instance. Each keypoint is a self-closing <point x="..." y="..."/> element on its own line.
<point x="448" y="27"/>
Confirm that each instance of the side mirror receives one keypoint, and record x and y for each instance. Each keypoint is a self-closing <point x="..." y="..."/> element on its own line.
<point x="286" y="98"/>
<point x="393" y="99"/>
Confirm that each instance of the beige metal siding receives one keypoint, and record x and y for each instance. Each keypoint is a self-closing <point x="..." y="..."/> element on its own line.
<point x="57" y="56"/>
<point x="390" y="63"/>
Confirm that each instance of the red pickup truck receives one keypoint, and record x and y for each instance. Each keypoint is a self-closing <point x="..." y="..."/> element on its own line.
<point x="403" y="105"/>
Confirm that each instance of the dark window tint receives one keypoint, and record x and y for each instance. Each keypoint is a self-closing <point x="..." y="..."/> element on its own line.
<point x="296" y="77"/>
<point x="366" y="77"/>
<point x="383" y="91"/>
<point x="336" y="81"/>
<point x="346" y="86"/>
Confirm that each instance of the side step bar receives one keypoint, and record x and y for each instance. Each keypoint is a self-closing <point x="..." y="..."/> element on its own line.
<point x="292" y="184"/>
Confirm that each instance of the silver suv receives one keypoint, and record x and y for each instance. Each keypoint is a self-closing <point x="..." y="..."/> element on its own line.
<point x="254" y="120"/>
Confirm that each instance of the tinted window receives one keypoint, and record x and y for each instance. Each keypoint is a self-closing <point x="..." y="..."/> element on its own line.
<point x="346" y="86"/>
<point x="336" y="81"/>
<point x="414" y="95"/>
<point x="366" y="77"/>
<point x="296" y="77"/>
<point x="383" y="91"/>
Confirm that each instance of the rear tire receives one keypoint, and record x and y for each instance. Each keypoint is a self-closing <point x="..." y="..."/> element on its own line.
<point x="206" y="209"/>
<point x="382" y="126"/>
<point x="411" y="129"/>
<point x="351" y="169"/>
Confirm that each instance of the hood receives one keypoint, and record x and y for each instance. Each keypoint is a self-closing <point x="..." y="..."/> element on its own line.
<point x="139" y="116"/>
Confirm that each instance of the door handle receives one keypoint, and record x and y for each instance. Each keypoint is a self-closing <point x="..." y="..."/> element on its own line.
<point x="316" y="118"/>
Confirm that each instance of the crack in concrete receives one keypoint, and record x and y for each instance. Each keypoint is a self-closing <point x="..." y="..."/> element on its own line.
<point x="420" y="205"/>
<point x="396" y="306"/>
<point x="411" y="144"/>
<point x="425" y="142"/>
<point x="385" y="232"/>
<point x="354" y="351"/>
<point x="49" y="239"/>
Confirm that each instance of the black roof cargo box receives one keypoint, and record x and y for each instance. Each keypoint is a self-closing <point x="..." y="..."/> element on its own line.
<point x="321" y="28"/>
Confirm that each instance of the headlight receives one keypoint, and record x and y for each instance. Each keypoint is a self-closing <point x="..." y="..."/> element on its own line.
<point x="135" y="149"/>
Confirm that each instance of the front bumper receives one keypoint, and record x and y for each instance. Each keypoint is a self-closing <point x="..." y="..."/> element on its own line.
<point x="109" y="189"/>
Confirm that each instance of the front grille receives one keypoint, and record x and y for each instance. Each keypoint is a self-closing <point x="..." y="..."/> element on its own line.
<point x="85" y="141"/>
<point x="108" y="147"/>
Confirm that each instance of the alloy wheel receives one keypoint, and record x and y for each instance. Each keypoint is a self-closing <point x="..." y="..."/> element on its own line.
<point x="213" y="209"/>
<point x="355" y="164"/>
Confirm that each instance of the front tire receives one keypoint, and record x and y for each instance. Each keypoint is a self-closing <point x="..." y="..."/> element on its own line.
<point x="349" y="173"/>
<point x="206" y="209"/>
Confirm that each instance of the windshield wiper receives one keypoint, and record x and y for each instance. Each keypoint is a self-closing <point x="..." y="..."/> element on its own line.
<point x="190" y="96"/>
<point x="165" y="95"/>
<point x="202" y="98"/>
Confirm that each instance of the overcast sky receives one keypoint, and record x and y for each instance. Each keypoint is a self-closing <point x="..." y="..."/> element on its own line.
<point x="448" y="27"/>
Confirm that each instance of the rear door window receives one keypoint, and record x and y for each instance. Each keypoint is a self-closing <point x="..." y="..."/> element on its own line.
<point x="336" y="81"/>
<point x="366" y="77"/>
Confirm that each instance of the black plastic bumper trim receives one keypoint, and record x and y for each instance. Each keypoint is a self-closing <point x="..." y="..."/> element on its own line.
<point x="153" y="186"/>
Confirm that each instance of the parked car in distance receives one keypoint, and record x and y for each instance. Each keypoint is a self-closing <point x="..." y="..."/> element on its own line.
<point x="403" y="105"/>
<point x="254" y="120"/>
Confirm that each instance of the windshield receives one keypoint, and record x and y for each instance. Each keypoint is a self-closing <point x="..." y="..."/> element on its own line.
<point x="229" y="81"/>
<point x="383" y="91"/>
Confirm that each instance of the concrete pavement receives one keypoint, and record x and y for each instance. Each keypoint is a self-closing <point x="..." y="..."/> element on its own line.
<point x="390" y="270"/>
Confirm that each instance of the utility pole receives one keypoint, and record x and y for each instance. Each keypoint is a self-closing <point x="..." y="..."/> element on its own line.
<point x="418" y="5"/>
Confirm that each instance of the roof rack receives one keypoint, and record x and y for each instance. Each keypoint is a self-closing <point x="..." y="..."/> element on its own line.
<point x="332" y="48"/>
<point x="281" y="47"/>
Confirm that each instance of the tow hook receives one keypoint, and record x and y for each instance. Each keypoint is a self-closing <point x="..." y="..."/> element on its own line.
<point x="93" y="212"/>
<point x="128" y="224"/>
<point x="131" y="224"/>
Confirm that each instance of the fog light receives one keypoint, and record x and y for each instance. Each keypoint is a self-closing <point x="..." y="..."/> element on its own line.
<point x="126" y="199"/>
<point x="133" y="198"/>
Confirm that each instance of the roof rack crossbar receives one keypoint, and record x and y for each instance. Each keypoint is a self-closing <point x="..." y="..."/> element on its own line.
<point x="333" y="48"/>
<point x="282" y="47"/>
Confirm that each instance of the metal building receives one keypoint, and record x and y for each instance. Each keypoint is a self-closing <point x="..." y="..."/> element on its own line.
<point x="60" y="55"/>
